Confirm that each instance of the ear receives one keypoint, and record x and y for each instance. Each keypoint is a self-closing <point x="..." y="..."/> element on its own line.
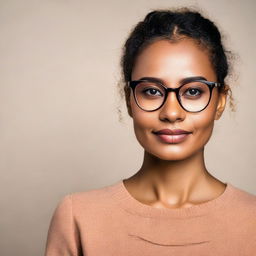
<point x="129" y="109"/>
<point x="221" y="102"/>
<point x="128" y="101"/>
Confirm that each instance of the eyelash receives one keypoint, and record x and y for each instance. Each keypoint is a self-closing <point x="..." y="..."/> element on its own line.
<point x="192" y="88"/>
<point x="145" y="91"/>
<point x="198" y="90"/>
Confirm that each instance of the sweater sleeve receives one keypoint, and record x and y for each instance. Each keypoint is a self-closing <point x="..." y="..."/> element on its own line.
<point x="63" y="237"/>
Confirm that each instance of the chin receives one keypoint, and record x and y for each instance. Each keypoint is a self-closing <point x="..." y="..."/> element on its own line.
<point x="169" y="157"/>
<point x="173" y="154"/>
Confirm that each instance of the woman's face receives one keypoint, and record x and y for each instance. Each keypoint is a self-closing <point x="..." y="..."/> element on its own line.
<point x="172" y="62"/>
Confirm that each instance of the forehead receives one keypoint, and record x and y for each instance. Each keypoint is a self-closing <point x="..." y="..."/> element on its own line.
<point x="173" y="61"/>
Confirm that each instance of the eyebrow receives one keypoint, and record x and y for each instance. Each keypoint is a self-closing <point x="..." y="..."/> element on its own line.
<point x="182" y="81"/>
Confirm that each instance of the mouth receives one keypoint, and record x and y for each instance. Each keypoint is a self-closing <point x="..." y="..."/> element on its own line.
<point x="172" y="136"/>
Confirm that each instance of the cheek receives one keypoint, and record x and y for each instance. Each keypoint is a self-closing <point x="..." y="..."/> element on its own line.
<point x="203" y="123"/>
<point x="143" y="122"/>
<point x="202" y="127"/>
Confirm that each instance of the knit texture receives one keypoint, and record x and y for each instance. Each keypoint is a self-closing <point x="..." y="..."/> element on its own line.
<point x="110" y="222"/>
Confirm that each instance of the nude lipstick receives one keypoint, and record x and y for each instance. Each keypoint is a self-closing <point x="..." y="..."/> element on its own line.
<point x="172" y="136"/>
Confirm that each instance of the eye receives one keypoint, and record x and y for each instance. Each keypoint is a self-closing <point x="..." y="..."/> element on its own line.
<point x="193" y="92"/>
<point x="152" y="92"/>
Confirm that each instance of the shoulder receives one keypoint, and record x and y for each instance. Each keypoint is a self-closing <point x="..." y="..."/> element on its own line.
<point x="92" y="194"/>
<point x="243" y="195"/>
<point x="91" y="201"/>
<point x="85" y="204"/>
<point x="243" y="201"/>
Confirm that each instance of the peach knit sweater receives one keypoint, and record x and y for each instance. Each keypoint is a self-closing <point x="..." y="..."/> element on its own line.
<point x="110" y="222"/>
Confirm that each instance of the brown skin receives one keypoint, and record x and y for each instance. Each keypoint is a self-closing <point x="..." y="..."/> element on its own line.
<point x="174" y="175"/>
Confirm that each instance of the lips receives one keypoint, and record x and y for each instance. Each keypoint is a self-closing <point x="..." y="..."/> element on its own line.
<point x="172" y="136"/>
<point x="172" y="132"/>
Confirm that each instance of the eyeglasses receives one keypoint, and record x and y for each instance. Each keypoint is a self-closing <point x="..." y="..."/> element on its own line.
<point x="193" y="95"/>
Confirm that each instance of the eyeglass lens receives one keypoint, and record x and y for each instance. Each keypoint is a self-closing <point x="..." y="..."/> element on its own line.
<point x="194" y="96"/>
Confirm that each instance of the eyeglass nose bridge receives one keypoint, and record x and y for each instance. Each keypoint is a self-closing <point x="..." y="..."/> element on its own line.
<point x="176" y="90"/>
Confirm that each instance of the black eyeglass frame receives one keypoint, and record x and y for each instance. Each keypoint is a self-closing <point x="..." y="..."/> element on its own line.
<point x="210" y="84"/>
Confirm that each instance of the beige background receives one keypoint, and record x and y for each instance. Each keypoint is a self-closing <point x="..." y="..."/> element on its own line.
<point x="58" y="106"/>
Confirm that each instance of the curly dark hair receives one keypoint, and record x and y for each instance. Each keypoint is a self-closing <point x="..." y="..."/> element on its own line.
<point x="175" y="25"/>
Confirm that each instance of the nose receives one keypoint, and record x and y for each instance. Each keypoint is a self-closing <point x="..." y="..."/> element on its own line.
<point x="171" y="110"/>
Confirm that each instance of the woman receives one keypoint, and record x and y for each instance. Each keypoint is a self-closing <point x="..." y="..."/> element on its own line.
<point x="174" y="68"/>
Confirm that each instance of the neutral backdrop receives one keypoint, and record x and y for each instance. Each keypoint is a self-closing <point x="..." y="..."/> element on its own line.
<point x="60" y="130"/>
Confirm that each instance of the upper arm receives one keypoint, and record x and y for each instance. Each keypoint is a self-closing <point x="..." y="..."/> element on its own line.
<point x="63" y="237"/>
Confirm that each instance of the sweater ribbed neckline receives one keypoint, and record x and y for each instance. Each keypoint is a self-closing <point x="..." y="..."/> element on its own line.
<point x="133" y="206"/>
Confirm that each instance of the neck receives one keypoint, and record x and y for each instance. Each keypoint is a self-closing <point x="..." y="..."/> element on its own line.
<point x="180" y="181"/>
